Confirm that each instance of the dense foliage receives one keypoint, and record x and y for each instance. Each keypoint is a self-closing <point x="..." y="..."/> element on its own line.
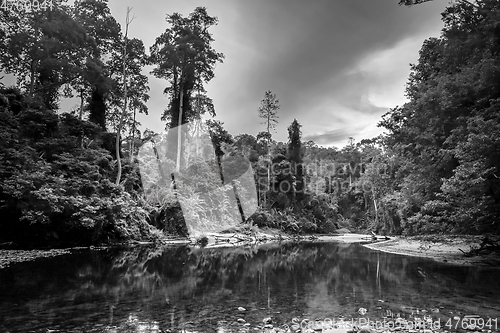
<point x="436" y="170"/>
<point x="446" y="137"/>
<point x="56" y="191"/>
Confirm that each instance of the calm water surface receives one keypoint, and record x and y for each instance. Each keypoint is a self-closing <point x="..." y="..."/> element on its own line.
<point x="193" y="289"/>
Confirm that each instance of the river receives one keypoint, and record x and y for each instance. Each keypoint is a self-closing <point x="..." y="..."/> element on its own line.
<point x="246" y="289"/>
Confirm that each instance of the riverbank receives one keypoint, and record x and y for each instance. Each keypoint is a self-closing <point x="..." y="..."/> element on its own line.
<point x="212" y="240"/>
<point x="440" y="248"/>
<point x="448" y="249"/>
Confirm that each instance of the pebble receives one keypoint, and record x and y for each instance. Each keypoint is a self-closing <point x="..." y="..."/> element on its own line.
<point x="362" y="311"/>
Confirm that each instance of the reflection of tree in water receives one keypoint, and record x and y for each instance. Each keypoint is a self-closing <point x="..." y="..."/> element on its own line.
<point x="323" y="280"/>
<point x="180" y="284"/>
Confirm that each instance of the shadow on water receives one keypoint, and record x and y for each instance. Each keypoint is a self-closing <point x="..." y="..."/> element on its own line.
<point x="145" y="290"/>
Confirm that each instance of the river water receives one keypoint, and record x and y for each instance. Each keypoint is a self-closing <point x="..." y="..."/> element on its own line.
<point x="244" y="289"/>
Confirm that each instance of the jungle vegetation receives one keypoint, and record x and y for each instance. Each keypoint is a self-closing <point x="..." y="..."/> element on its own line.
<point x="71" y="177"/>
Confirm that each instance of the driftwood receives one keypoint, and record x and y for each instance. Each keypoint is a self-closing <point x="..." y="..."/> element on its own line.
<point x="487" y="246"/>
<point x="378" y="237"/>
<point x="240" y="239"/>
<point x="7" y="244"/>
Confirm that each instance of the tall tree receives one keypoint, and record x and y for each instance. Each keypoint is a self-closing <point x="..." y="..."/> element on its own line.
<point x="128" y="20"/>
<point x="294" y="155"/>
<point x="137" y="89"/>
<point x="184" y="56"/>
<point x="268" y="111"/>
<point x="97" y="85"/>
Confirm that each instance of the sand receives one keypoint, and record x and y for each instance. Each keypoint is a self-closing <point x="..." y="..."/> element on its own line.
<point x="440" y="248"/>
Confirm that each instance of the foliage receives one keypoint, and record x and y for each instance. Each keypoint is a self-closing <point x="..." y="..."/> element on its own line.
<point x="268" y="111"/>
<point x="294" y="155"/>
<point x="220" y="136"/>
<point x="54" y="191"/>
<point x="43" y="49"/>
<point x="446" y="135"/>
<point x="98" y="84"/>
<point x="184" y="56"/>
<point x="437" y="169"/>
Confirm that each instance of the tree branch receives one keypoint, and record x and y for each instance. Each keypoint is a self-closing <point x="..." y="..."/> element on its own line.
<point x="55" y="84"/>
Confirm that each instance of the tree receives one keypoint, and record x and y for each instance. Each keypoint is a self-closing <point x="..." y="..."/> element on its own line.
<point x="294" y="155"/>
<point x="247" y="146"/>
<point x="128" y="20"/>
<point x="184" y="56"/>
<point x="43" y="50"/>
<point x="220" y="137"/>
<point x="263" y="140"/>
<point x="97" y="85"/>
<point x="449" y="168"/>
<point x="268" y="111"/>
<point x="137" y="90"/>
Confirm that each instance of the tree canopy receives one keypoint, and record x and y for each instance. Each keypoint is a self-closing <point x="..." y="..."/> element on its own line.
<point x="183" y="55"/>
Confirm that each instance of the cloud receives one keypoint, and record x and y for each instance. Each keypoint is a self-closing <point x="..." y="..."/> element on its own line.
<point x="330" y="137"/>
<point x="350" y="123"/>
<point x="308" y="53"/>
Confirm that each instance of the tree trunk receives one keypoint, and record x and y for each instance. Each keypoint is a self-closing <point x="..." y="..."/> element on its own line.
<point x="376" y="209"/>
<point x="120" y="123"/>
<point x="32" y="78"/>
<point x="179" y="132"/>
<point x="132" y="140"/>
<point x="80" y="116"/>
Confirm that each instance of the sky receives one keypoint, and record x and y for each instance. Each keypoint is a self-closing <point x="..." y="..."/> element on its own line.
<point x="335" y="65"/>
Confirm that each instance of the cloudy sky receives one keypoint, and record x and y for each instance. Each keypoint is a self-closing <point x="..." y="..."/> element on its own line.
<point x="335" y="65"/>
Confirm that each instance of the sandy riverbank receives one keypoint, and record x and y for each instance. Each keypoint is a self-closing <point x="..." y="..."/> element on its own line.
<point x="440" y="248"/>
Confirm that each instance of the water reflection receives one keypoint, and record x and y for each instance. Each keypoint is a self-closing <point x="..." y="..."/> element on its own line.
<point x="145" y="290"/>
